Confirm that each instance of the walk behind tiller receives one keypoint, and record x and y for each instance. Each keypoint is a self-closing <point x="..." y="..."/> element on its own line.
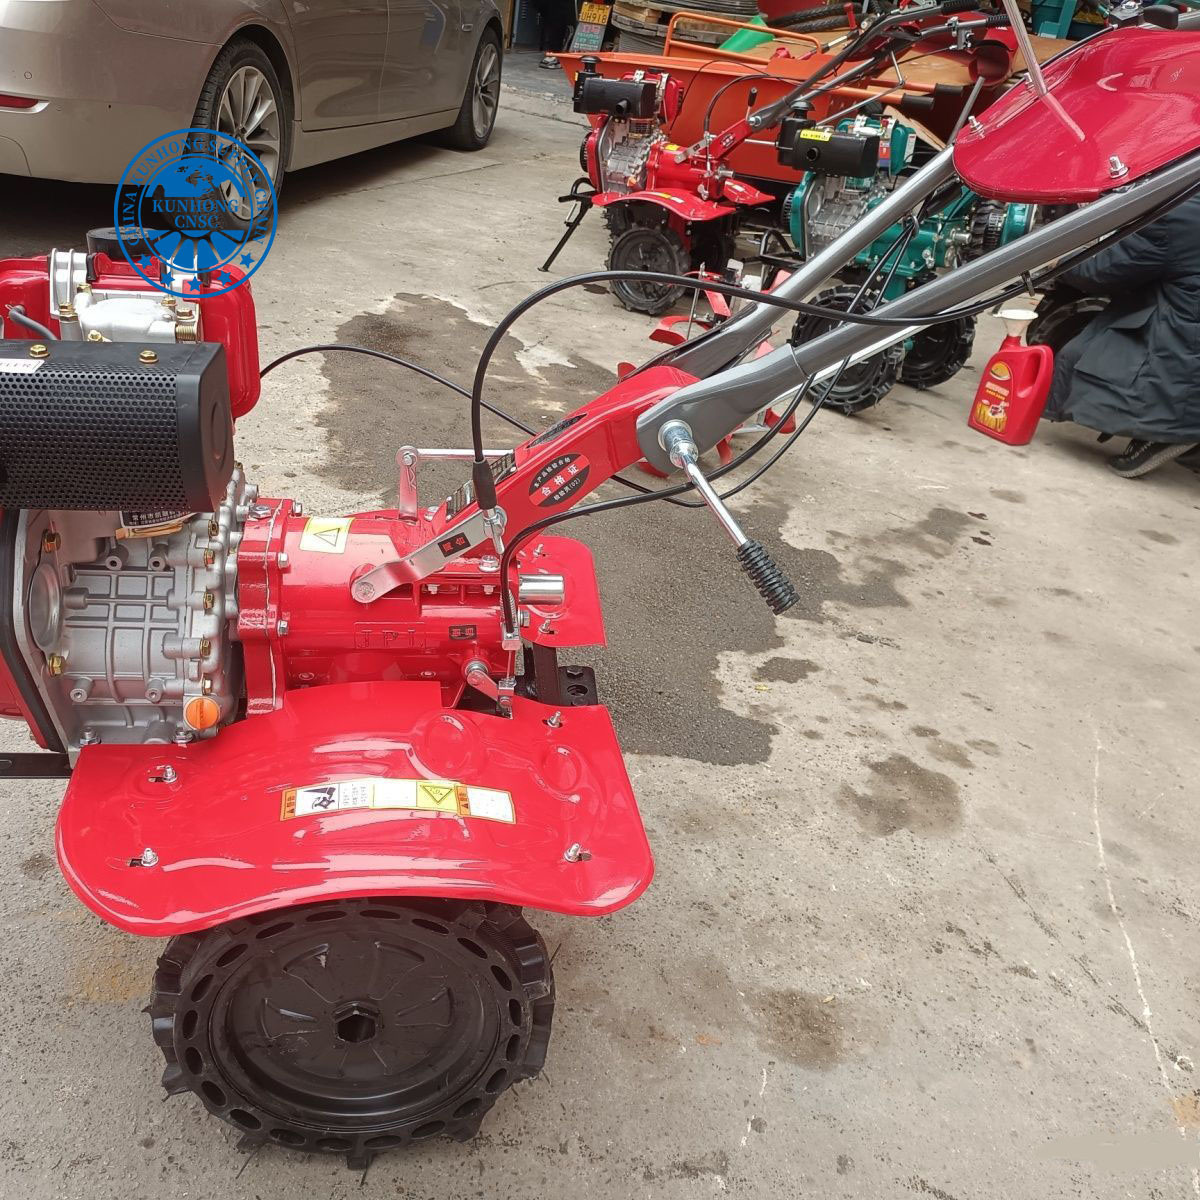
<point x="335" y="760"/>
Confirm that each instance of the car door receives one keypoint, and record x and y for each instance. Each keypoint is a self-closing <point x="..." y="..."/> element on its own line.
<point x="341" y="47"/>
<point x="423" y="72"/>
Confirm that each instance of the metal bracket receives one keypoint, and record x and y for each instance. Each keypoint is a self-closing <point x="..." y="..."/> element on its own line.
<point x="426" y="560"/>
<point x="35" y="766"/>
<point x="476" y="674"/>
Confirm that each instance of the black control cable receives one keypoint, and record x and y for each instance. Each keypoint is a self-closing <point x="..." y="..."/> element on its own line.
<point x="17" y="314"/>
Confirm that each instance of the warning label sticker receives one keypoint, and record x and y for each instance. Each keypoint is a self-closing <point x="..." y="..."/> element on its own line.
<point x="325" y="535"/>
<point x="421" y="795"/>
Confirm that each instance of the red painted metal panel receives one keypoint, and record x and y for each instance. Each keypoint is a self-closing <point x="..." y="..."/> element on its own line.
<point x="1129" y="94"/>
<point x="683" y="204"/>
<point x="222" y="848"/>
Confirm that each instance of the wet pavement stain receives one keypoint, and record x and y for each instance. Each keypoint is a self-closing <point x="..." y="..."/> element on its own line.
<point x="949" y="752"/>
<point x="786" y="670"/>
<point x="801" y="1027"/>
<point x="1163" y="539"/>
<point x="374" y="407"/>
<point x="37" y="866"/>
<point x="901" y="794"/>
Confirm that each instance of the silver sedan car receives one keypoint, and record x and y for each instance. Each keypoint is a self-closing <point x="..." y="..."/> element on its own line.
<point x="85" y="84"/>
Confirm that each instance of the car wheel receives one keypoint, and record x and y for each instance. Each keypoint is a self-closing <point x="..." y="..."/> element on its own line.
<point x="477" y="116"/>
<point x="243" y="98"/>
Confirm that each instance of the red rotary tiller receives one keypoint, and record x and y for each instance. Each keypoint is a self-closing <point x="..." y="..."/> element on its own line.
<point x="335" y="759"/>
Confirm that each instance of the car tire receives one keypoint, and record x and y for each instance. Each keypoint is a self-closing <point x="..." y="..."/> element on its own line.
<point x="220" y="106"/>
<point x="477" y="116"/>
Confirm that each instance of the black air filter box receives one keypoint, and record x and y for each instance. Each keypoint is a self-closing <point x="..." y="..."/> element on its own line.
<point x="114" y="425"/>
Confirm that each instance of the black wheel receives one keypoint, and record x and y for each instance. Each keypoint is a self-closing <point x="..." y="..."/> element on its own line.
<point x="1062" y="315"/>
<point x="244" y="98"/>
<point x="354" y="1026"/>
<point x="986" y="228"/>
<point x="861" y="385"/>
<point x="617" y="219"/>
<point x="648" y="248"/>
<point x="477" y="116"/>
<point x="938" y="353"/>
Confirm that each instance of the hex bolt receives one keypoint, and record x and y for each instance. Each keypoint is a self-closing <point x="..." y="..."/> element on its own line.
<point x="298" y="509"/>
<point x="1116" y="168"/>
<point x="38" y="350"/>
<point x="489" y="562"/>
<point x="89" y="737"/>
<point x="214" y="528"/>
<point x="206" y="687"/>
<point x="260" y="512"/>
<point x="205" y="647"/>
<point x="66" y="312"/>
<point x="56" y="664"/>
<point x="576" y="853"/>
<point x="148" y="857"/>
<point x="148" y="356"/>
<point x="183" y="737"/>
<point x="283" y="561"/>
<point x="51" y="541"/>
<point x="169" y="775"/>
<point x="94" y="335"/>
<point x="554" y="721"/>
<point x="209" y="601"/>
<point x="281" y="627"/>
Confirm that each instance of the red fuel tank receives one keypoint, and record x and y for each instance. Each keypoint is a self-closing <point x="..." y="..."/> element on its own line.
<point x="1014" y="385"/>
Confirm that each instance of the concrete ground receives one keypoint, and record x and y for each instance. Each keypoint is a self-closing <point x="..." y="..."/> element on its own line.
<point x="925" y="915"/>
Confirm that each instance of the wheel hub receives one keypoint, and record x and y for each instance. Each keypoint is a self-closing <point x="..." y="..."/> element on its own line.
<point x="356" y="1022"/>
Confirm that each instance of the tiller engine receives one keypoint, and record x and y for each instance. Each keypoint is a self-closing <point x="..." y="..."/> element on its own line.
<point x="838" y="149"/>
<point x="334" y="760"/>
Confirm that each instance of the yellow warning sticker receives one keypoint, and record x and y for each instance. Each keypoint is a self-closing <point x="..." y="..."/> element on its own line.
<point x="325" y="535"/>
<point x="816" y="135"/>
<point x="421" y="795"/>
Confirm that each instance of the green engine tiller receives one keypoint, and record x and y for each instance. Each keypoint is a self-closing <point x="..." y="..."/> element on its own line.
<point x="337" y="761"/>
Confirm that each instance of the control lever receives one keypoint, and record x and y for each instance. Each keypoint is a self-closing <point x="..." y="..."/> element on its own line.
<point x="773" y="585"/>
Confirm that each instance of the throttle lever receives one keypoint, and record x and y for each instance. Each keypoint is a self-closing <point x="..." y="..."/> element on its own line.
<point x="773" y="585"/>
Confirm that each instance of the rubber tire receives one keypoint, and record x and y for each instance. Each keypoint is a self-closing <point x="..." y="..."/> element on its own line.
<point x="629" y="293"/>
<point x="461" y="135"/>
<point x="195" y="970"/>
<point x="1062" y="316"/>
<point x="241" y="52"/>
<point x="938" y="353"/>
<point x="872" y="379"/>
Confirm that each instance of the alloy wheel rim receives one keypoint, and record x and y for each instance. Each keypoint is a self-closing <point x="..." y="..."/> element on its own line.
<point x="485" y="90"/>
<point x="247" y="111"/>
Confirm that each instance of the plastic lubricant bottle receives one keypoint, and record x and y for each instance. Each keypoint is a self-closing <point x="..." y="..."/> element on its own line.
<point x="1014" y="386"/>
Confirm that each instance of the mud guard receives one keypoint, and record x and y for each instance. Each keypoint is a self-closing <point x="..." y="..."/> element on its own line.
<point x="359" y="789"/>
<point x="681" y="203"/>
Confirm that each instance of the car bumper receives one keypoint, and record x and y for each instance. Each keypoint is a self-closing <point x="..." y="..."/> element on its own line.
<point x="102" y="92"/>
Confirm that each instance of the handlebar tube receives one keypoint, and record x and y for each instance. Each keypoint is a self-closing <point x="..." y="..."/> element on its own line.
<point x="712" y="407"/>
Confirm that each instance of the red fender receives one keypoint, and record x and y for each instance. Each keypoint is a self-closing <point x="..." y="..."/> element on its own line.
<point x="682" y="203"/>
<point x="358" y="789"/>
